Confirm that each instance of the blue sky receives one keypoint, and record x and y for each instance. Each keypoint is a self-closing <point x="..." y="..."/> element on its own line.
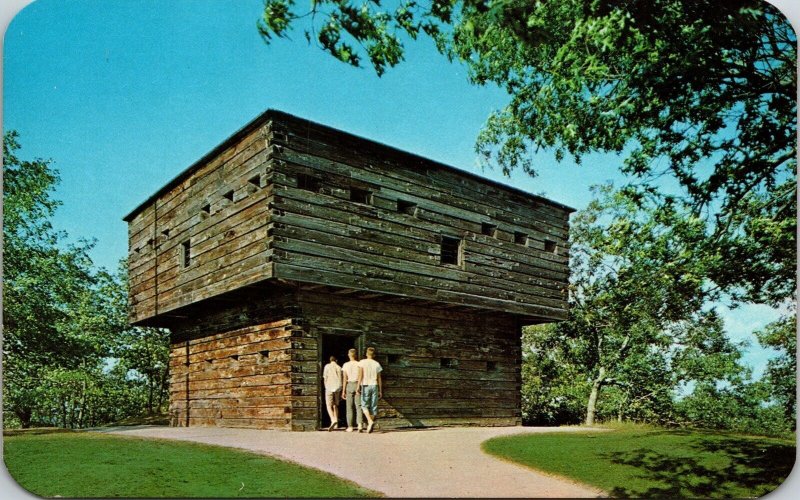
<point x="123" y="95"/>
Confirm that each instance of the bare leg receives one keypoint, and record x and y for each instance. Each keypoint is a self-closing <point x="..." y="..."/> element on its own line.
<point x="331" y="407"/>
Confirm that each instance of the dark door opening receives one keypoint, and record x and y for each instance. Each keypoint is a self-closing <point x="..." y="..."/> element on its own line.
<point x="333" y="345"/>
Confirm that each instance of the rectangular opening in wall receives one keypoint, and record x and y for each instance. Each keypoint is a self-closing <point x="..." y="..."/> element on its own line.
<point x="361" y="196"/>
<point x="186" y="253"/>
<point x="165" y="233"/>
<point x="394" y="359"/>
<point x="550" y="246"/>
<point x="448" y="363"/>
<point x="235" y="357"/>
<point x="489" y="229"/>
<point x="520" y="238"/>
<point x="229" y="195"/>
<point x="206" y="209"/>
<point x="491" y="366"/>
<point x="263" y="355"/>
<point x="255" y="180"/>
<point x="407" y="207"/>
<point x="451" y="251"/>
<point x="308" y="183"/>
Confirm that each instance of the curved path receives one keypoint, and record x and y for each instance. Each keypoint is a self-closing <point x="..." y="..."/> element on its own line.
<point x="437" y="462"/>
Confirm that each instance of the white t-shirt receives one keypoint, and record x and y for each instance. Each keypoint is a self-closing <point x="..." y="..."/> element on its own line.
<point x="332" y="375"/>
<point x="371" y="369"/>
<point x="351" y="369"/>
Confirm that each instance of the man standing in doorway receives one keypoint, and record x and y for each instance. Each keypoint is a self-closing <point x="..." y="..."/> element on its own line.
<point x="371" y="387"/>
<point x="332" y="377"/>
<point x="351" y="371"/>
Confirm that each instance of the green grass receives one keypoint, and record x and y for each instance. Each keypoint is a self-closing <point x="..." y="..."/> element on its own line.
<point x="79" y="464"/>
<point x="647" y="462"/>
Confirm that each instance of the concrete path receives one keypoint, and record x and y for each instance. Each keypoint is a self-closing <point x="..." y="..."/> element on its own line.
<point x="440" y="462"/>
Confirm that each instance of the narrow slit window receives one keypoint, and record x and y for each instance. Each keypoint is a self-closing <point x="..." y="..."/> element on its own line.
<point x="186" y="253"/>
<point x="264" y="355"/>
<point x="363" y="196"/>
<point x="451" y="251"/>
<point x="235" y="357"/>
<point x="550" y="246"/>
<point x="407" y="207"/>
<point x="448" y="363"/>
<point x="229" y="195"/>
<point x="308" y="183"/>
<point x="165" y="233"/>
<point x="491" y="366"/>
<point x="255" y="180"/>
<point x="520" y="238"/>
<point x="394" y="359"/>
<point x="489" y="229"/>
<point x="206" y="209"/>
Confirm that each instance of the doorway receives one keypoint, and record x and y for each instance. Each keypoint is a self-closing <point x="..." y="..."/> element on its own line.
<point x="334" y="345"/>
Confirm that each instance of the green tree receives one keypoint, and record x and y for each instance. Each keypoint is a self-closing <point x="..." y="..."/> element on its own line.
<point x="781" y="374"/>
<point x="700" y="91"/>
<point x="638" y="319"/>
<point x="45" y="284"/>
<point x="63" y="320"/>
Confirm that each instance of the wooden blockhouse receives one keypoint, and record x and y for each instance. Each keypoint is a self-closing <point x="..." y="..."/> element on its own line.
<point x="292" y="241"/>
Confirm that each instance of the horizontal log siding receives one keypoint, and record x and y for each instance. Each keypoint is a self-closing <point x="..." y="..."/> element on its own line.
<point x="417" y="390"/>
<point x="327" y="239"/>
<point x="237" y="366"/>
<point x="229" y="245"/>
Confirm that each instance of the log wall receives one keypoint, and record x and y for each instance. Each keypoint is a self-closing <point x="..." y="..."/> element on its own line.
<point x="221" y="210"/>
<point x="480" y="385"/>
<point x="322" y="236"/>
<point x="238" y="366"/>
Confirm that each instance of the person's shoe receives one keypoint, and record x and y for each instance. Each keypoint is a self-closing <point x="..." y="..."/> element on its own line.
<point x="349" y="429"/>
<point x="330" y="427"/>
<point x="360" y="428"/>
<point x="369" y="427"/>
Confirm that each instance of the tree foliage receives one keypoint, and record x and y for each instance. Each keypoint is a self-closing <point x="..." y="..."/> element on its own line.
<point x="64" y="321"/>
<point x="781" y="375"/>
<point x="701" y="92"/>
<point x="638" y="320"/>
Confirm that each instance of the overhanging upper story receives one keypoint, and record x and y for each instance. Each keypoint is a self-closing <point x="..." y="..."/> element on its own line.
<point x="285" y="202"/>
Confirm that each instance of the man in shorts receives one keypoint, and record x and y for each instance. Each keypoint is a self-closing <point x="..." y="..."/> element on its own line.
<point x="371" y="387"/>
<point x="351" y="392"/>
<point x="332" y="378"/>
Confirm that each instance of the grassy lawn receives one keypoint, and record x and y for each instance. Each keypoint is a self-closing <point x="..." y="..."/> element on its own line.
<point x="640" y="462"/>
<point x="77" y="464"/>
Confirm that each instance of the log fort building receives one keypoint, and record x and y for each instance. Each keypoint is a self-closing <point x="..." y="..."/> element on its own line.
<point x="292" y="241"/>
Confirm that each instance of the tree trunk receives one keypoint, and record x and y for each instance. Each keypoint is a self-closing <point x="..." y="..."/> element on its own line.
<point x="591" y="406"/>
<point x="24" y="415"/>
<point x="162" y="388"/>
<point x="150" y="383"/>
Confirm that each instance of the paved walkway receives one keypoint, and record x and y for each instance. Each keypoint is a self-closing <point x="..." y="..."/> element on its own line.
<point x="440" y="462"/>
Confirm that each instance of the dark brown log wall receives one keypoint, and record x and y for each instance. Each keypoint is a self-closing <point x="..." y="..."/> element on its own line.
<point x="482" y="385"/>
<point x="221" y="209"/>
<point x="325" y="237"/>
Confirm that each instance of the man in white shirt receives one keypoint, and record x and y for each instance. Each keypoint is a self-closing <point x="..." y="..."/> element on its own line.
<point x="332" y="378"/>
<point x="351" y="371"/>
<point x="371" y="387"/>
